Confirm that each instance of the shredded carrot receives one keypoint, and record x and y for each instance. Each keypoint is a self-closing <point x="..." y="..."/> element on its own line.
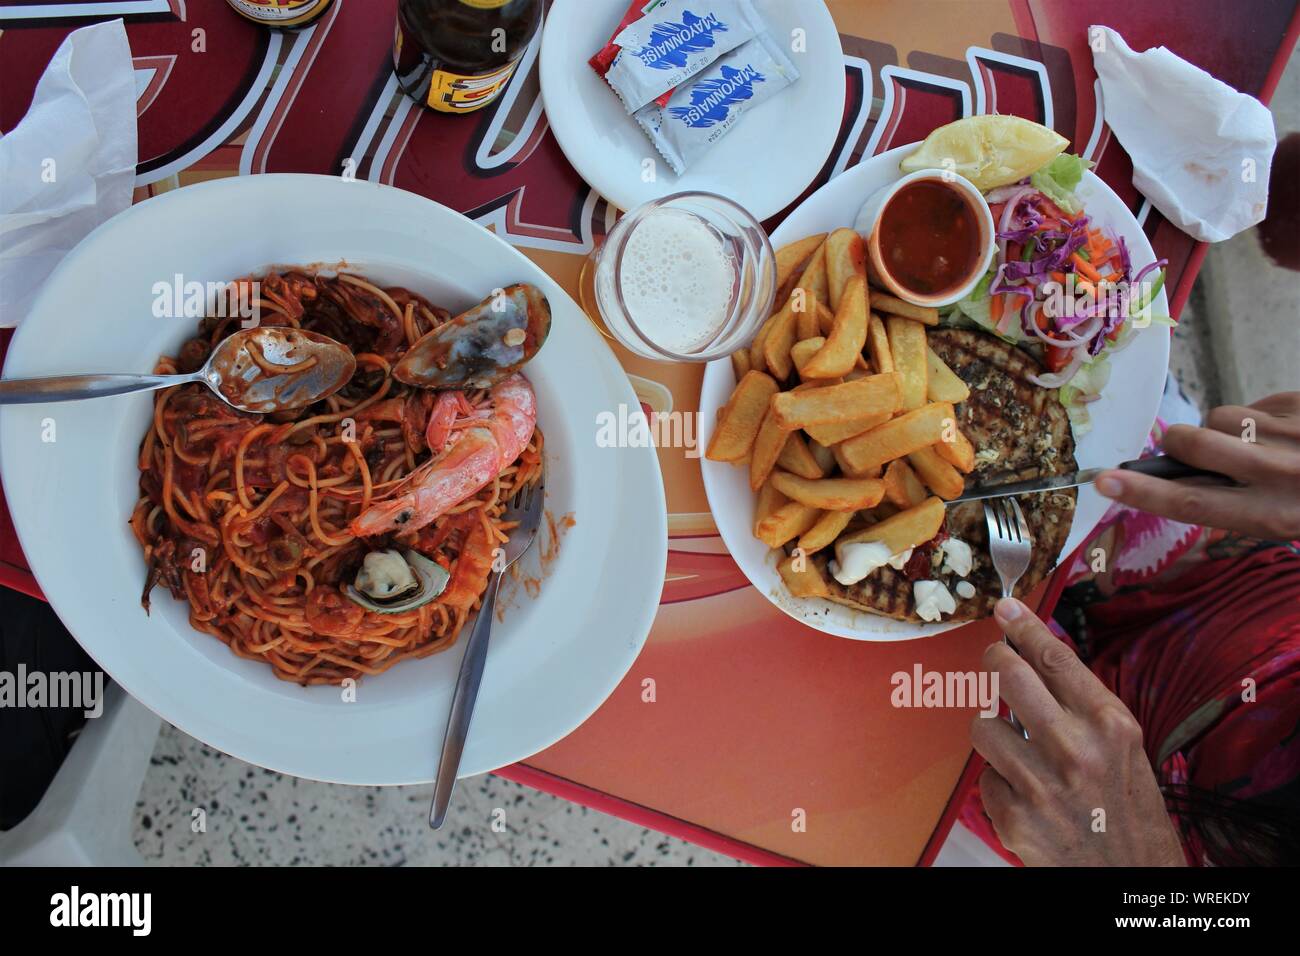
<point x="1085" y="267"/>
<point x="995" y="308"/>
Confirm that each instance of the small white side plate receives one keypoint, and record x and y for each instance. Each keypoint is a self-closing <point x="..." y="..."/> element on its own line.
<point x="764" y="163"/>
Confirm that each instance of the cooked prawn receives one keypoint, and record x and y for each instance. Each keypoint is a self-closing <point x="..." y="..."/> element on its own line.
<point x="474" y="456"/>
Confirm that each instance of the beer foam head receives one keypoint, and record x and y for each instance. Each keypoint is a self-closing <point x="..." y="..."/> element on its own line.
<point x="676" y="280"/>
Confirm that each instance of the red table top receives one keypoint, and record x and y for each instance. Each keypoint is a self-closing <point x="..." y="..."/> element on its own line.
<point x="757" y="722"/>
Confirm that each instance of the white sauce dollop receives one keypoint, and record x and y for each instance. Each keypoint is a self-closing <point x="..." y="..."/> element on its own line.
<point x="957" y="557"/>
<point x="900" y="559"/>
<point x="932" y="600"/>
<point x="855" y="560"/>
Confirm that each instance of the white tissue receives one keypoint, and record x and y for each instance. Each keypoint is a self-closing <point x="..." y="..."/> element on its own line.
<point x="80" y="132"/>
<point x="1201" y="151"/>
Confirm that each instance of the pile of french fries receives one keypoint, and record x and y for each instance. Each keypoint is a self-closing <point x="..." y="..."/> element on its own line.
<point x="843" y="414"/>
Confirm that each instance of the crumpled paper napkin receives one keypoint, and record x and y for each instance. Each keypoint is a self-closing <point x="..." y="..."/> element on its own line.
<point x="70" y="164"/>
<point x="1201" y="150"/>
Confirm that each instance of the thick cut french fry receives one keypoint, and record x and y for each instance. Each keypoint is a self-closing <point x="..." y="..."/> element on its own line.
<point x="902" y="487"/>
<point x="861" y="398"/>
<point x="769" y="499"/>
<point x="907" y="346"/>
<point x="803" y="350"/>
<point x="824" y="457"/>
<point x="791" y="260"/>
<point x="919" y="428"/>
<point x="848" y="469"/>
<point x="886" y="509"/>
<point x="846" y="256"/>
<point x="843" y="346"/>
<point x="825" y="319"/>
<point x="813" y="277"/>
<point x="889" y="305"/>
<point x="739" y="420"/>
<point x="831" y="494"/>
<point x="959" y="452"/>
<point x="836" y="432"/>
<point x="807" y="321"/>
<point x="740" y="363"/>
<point x="939" y="476"/>
<point x="768" y="445"/>
<point x="788" y="521"/>
<point x="943" y="385"/>
<point x="797" y="459"/>
<point x="817" y="383"/>
<point x="907" y="529"/>
<point x="780" y="337"/>
<point x="828" y="527"/>
<point x="805" y="583"/>
<point x="878" y="345"/>
<point x="756" y="359"/>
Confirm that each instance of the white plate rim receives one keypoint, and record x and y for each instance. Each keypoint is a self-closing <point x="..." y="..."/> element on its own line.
<point x="637" y="469"/>
<point x="825" y="209"/>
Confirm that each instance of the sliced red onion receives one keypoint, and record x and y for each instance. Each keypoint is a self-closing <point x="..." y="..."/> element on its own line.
<point x="1057" y="379"/>
<point x="1008" y="215"/>
<point x="1009" y="212"/>
<point x="1002" y="193"/>
<point x="1071" y="340"/>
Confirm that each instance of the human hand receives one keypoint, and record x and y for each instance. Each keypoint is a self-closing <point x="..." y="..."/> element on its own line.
<point x="1080" y="791"/>
<point x="1258" y="445"/>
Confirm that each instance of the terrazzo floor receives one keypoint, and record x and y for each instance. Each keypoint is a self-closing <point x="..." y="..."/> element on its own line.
<point x="258" y="817"/>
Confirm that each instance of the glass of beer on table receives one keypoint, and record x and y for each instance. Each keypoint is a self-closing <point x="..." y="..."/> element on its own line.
<point x="686" y="278"/>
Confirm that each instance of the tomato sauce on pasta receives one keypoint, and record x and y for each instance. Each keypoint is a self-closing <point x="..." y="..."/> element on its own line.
<point x="246" y="517"/>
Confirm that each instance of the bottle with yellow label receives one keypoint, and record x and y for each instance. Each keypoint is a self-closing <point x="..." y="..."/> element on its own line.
<point x="281" y="14"/>
<point x="456" y="56"/>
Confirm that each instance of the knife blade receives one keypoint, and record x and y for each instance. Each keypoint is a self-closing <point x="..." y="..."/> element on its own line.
<point x="1158" y="466"/>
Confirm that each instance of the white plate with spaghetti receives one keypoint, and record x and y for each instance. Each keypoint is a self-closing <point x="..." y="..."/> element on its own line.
<point x="571" y="626"/>
<point x="764" y="163"/>
<point x="1122" y="416"/>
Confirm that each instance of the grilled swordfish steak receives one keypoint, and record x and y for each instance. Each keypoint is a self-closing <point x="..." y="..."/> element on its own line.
<point x="1020" y="431"/>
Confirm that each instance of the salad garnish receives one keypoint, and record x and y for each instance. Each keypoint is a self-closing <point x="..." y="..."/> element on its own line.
<point x="1061" y="283"/>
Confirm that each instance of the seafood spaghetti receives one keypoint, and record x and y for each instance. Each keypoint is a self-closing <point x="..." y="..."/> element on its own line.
<point x="334" y="541"/>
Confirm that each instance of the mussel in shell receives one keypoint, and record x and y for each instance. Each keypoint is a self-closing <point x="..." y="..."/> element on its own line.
<point x="480" y="347"/>
<point x="392" y="581"/>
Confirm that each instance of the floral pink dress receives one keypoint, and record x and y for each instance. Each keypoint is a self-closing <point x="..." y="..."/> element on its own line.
<point x="1197" y="631"/>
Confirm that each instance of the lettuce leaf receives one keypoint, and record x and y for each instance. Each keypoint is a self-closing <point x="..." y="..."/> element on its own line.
<point x="1060" y="178"/>
<point x="1084" y="387"/>
<point x="977" y="307"/>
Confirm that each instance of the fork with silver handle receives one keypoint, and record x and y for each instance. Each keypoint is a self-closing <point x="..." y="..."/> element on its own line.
<point x="1010" y="546"/>
<point x="526" y="509"/>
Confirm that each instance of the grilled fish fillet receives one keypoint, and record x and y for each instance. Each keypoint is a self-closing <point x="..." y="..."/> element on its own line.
<point x="1020" y="431"/>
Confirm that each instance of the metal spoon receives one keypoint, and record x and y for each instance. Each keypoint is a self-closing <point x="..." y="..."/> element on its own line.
<point x="231" y="372"/>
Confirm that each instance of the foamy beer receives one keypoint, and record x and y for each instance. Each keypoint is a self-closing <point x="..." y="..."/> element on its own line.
<point x="685" y="278"/>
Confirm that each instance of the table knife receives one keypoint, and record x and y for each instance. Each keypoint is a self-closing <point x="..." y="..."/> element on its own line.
<point x="1159" y="466"/>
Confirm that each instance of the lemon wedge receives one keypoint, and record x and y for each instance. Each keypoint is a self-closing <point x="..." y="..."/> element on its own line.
<point x="988" y="150"/>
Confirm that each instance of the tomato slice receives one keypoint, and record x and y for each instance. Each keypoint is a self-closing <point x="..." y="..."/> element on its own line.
<point x="1057" y="358"/>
